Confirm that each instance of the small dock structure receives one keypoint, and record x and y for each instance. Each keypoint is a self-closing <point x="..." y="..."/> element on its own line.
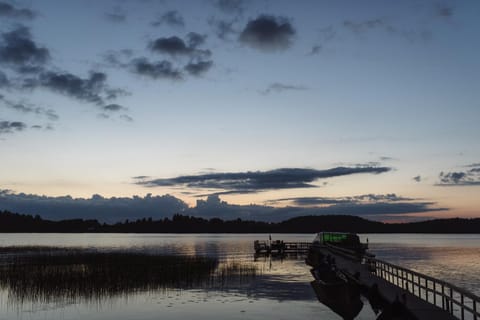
<point x="280" y="247"/>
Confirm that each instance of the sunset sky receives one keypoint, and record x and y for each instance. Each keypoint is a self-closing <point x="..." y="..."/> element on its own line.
<point x="347" y="105"/>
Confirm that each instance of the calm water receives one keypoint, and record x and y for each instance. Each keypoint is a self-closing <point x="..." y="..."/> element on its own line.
<point x="280" y="291"/>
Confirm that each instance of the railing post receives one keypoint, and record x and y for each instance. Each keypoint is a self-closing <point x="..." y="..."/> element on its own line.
<point x="462" y="306"/>
<point x="474" y="309"/>
<point x="408" y="282"/>
<point x="434" y="293"/>
<point x="451" y="301"/>
<point x="426" y="290"/>
<point x="419" y="284"/>
<point x="443" y="297"/>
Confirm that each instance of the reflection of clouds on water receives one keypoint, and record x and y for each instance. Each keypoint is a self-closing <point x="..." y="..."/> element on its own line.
<point x="277" y="288"/>
<point x="278" y="280"/>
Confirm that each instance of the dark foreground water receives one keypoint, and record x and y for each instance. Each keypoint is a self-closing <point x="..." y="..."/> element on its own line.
<point x="277" y="289"/>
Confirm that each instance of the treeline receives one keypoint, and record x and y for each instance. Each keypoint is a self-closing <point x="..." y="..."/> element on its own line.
<point x="12" y="222"/>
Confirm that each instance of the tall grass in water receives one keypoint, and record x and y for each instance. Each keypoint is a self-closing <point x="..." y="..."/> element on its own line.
<point x="233" y="273"/>
<point x="46" y="275"/>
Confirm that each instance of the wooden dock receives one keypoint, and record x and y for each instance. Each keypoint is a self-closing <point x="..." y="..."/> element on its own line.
<point x="423" y="296"/>
<point x="280" y="247"/>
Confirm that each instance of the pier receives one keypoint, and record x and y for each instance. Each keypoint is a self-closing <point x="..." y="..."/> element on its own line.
<point x="280" y="247"/>
<point x="423" y="296"/>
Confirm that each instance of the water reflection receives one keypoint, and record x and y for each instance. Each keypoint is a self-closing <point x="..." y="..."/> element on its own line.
<point x="49" y="274"/>
<point x="280" y="288"/>
<point x="341" y="291"/>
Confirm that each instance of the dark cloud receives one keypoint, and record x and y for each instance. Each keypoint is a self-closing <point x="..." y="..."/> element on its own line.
<point x="417" y="178"/>
<point x="365" y="198"/>
<point x="327" y="34"/>
<point x="116" y="17"/>
<point x="379" y="209"/>
<point x="316" y="49"/>
<point x="285" y="178"/>
<point x="156" y="70"/>
<point x="268" y="33"/>
<point x="114" y="93"/>
<point x="113" y="107"/>
<point x="192" y="60"/>
<point x="9" y="11"/>
<point x="47" y="127"/>
<point x="4" y="82"/>
<point x="93" y="89"/>
<point x="444" y="11"/>
<point x="385" y="158"/>
<point x="126" y="117"/>
<point x="29" y="61"/>
<point x="140" y="177"/>
<point x="175" y="46"/>
<point x="19" y="51"/>
<point x="172" y="46"/>
<point x="376" y="210"/>
<point x="97" y="207"/>
<point x="88" y="89"/>
<point x="172" y="18"/>
<point x="25" y="107"/>
<point x="158" y="207"/>
<point x="198" y="68"/>
<point x="470" y="177"/>
<point x="473" y="165"/>
<point x="223" y="29"/>
<point x="230" y="6"/>
<point x="195" y="39"/>
<point x="118" y="58"/>
<point x="362" y="26"/>
<point x="280" y="87"/>
<point x="11" y="126"/>
<point x="412" y="35"/>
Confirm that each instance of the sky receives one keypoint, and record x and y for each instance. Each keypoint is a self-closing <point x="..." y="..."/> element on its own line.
<point x="252" y="109"/>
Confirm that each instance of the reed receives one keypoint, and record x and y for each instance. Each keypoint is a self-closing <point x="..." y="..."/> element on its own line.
<point x="46" y="274"/>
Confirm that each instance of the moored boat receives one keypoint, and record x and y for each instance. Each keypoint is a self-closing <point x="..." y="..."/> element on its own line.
<point x="346" y="241"/>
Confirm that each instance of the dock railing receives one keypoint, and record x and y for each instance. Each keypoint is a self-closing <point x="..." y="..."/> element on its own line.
<point x="458" y="302"/>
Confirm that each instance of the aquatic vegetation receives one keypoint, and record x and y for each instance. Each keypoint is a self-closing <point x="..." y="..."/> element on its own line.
<point x="46" y="274"/>
<point x="233" y="273"/>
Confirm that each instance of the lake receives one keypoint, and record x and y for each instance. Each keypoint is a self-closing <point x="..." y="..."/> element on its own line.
<point x="279" y="289"/>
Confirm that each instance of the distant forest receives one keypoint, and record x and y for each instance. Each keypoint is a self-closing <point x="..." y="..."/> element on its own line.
<point x="13" y="222"/>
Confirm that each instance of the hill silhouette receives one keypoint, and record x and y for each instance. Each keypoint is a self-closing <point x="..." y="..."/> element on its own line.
<point x="13" y="222"/>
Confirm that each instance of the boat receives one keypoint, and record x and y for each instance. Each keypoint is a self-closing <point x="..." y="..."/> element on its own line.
<point x="335" y="288"/>
<point x="341" y="240"/>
